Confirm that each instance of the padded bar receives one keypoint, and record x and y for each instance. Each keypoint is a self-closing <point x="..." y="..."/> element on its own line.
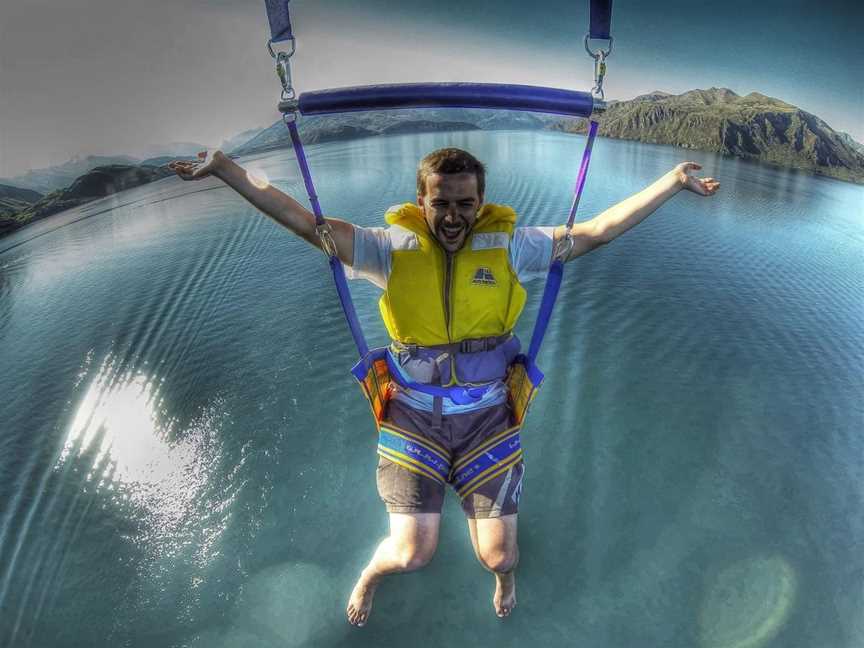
<point x="447" y="95"/>
<point x="600" y="20"/>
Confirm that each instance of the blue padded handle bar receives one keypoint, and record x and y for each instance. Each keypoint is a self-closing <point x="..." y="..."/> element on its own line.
<point x="447" y="95"/>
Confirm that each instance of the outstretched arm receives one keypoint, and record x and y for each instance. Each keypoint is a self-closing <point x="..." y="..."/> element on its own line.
<point x="277" y="205"/>
<point x="628" y="213"/>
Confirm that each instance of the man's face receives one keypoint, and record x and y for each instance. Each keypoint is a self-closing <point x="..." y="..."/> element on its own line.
<point x="450" y="207"/>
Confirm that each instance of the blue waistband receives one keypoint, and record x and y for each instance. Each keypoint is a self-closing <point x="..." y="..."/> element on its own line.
<point x="459" y="394"/>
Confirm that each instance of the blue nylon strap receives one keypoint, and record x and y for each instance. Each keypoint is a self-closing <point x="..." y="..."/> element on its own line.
<point x="348" y="305"/>
<point x="583" y="172"/>
<point x="534" y="374"/>
<point x="550" y="293"/>
<point x="365" y="363"/>
<point x="600" y="21"/>
<point x="556" y="270"/>
<point x="300" y="153"/>
<point x="335" y="263"/>
<point x="398" y="447"/>
<point x="447" y="95"/>
<point x="489" y="458"/>
<point x="280" y="21"/>
<point x="457" y="393"/>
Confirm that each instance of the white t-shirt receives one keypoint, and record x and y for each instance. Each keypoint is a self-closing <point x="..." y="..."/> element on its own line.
<point x="530" y="256"/>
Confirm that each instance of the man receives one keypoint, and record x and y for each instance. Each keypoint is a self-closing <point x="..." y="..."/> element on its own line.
<point x="451" y="268"/>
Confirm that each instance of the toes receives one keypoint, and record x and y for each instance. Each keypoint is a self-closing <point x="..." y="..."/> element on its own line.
<point x="356" y="617"/>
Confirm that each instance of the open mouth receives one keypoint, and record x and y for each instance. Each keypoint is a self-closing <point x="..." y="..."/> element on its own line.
<point x="451" y="233"/>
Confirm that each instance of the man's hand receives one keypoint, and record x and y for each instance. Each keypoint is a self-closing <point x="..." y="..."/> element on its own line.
<point x="701" y="186"/>
<point x="205" y="166"/>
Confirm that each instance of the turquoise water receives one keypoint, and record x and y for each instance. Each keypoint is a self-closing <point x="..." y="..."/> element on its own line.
<point x="186" y="461"/>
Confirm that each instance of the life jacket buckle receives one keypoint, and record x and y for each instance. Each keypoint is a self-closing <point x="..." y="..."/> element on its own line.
<point x="483" y="344"/>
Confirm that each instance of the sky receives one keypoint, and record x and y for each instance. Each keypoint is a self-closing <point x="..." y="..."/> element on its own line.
<point x="81" y="77"/>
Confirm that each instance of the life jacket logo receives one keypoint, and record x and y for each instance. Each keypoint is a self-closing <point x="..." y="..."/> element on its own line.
<point x="484" y="277"/>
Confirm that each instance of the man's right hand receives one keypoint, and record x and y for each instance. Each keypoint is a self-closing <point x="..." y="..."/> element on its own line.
<point x="203" y="167"/>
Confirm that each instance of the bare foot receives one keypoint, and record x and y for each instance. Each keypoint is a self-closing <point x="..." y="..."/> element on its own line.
<point x="505" y="594"/>
<point x="360" y="603"/>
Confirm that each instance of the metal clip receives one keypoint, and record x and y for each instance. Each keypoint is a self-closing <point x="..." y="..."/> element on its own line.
<point x="563" y="247"/>
<point x="599" y="74"/>
<point x="599" y="67"/>
<point x="283" y="71"/>
<point x="325" y="234"/>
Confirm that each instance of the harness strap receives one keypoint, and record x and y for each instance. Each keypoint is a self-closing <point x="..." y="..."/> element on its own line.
<point x="556" y="270"/>
<point x="335" y="263"/>
<point x="475" y="345"/>
<point x="414" y="453"/>
<point x="459" y="394"/>
<point x="280" y="21"/>
<point x="486" y="462"/>
<point x="600" y="20"/>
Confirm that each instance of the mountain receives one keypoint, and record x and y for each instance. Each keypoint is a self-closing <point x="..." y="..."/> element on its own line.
<point x="96" y="183"/>
<point x="228" y="145"/>
<point x="51" y="178"/>
<point x="172" y="150"/>
<point x="847" y="138"/>
<point x="165" y="159"/>
<point x="427" y="126"/>
<point x="15" y="199"/>
<point x="326" y="128"/>
<point x="754" y="127"/>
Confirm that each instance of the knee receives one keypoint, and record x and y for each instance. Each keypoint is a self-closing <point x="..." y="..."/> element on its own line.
<point x="500" y="559"/>
<point x="415" y="556"/>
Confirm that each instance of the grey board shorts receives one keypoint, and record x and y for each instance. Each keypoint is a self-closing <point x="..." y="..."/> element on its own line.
<point x="406" y="491"/>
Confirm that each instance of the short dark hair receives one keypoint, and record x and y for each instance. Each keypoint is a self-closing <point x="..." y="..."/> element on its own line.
<point x="450" y="160"/>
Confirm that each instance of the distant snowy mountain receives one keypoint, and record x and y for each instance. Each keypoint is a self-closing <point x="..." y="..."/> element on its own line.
<point x="52" y="178"/>
<point x="56" y="177"/>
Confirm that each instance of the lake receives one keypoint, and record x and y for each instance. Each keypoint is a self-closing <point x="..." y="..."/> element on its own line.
<point x="185" y="459"/>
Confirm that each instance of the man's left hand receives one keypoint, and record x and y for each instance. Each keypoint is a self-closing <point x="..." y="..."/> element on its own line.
<point x="701" y="186"/>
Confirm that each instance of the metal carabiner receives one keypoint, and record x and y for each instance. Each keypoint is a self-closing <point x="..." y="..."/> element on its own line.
<point x="325" y="234"/>
<point x="283" y="71"/>
<point x="563" y="247"/>
<point x="599" y="67"/>
<point x="599" y="75"/>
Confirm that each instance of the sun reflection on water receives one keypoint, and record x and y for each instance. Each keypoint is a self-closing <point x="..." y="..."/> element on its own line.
<point x="132" y="449"/>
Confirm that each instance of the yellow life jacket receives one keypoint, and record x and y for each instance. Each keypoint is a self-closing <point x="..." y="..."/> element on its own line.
<point x="433" y="298"/>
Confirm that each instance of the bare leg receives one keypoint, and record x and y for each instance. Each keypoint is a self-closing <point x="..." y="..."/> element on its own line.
<point x="410" y="545"/>
<point x="494" y="541"/>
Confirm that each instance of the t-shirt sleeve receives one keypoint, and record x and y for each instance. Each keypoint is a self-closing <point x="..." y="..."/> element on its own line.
<point x="531" y="252"/>
<point x="371" y="255"/>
